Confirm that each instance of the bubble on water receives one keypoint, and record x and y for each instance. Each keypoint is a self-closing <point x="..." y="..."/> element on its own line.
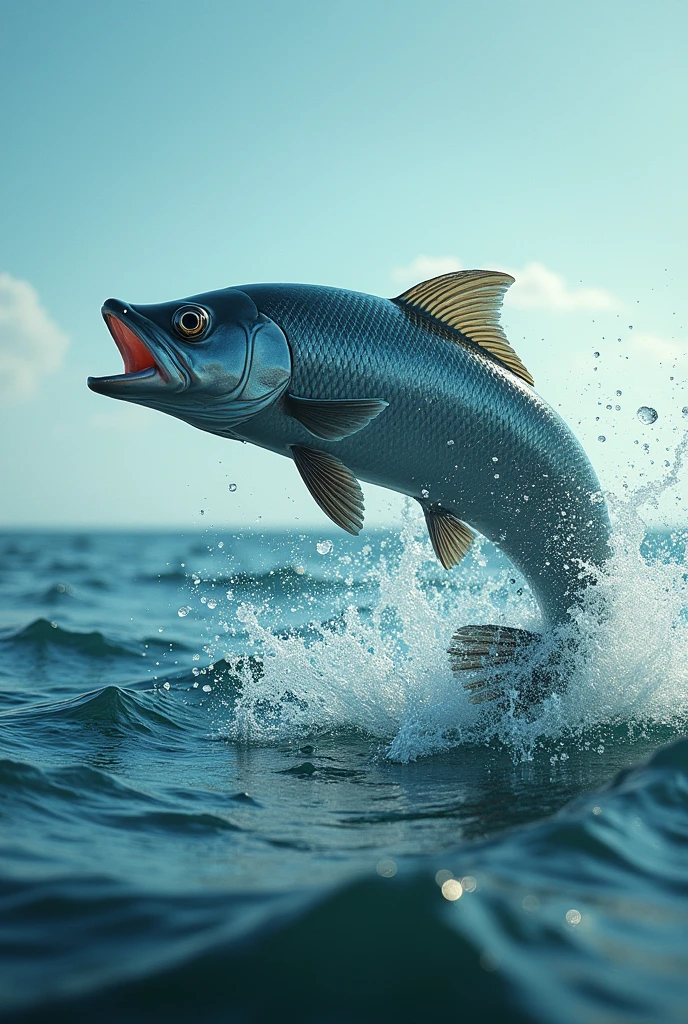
<point x="323" y="547"/>
<point x="183" y="611"/>
<point x="601" y="437"/>
<point x="212" y="603"/>
<point x="232" y="488"/>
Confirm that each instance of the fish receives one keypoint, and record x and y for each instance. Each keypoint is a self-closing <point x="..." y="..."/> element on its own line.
<point x="421" y="393"/>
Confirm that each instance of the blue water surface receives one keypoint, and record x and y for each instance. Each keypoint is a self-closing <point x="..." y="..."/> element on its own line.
<point x="239" y="783"/>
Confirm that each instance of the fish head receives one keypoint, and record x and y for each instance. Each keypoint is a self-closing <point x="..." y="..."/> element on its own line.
<point x="213" y="360"/>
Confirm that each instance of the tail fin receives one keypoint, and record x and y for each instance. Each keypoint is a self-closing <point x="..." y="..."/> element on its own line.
<point x="489" y="648"/>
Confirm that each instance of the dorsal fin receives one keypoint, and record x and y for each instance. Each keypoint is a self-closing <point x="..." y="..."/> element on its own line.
<point x="468" y="301"/>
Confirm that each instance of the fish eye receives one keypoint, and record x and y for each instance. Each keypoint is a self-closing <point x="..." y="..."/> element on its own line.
<point x="191" y="322"/>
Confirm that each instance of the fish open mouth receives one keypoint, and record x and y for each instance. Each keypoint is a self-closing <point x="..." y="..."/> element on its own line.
<point x="133" y="351"/>
<point x="139" y="362"/>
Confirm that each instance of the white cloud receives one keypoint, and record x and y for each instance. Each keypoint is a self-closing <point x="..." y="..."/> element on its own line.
<point x="30" y="343"/>
<point x="536" y="286"/>
<point x="423" y="268"/>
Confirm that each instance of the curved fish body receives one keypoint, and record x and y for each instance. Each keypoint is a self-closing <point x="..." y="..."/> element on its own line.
<point x="421" y="394"/>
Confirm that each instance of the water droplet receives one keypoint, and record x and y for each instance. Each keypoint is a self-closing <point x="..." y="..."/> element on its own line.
<point x="618" y="408"/>
<point x="450" y="443"/>
<point x="496" y="476"/>
<point x="469" y="883"/>
<point x="646" y="414"/>
<point x="212" y="603"/>
<point x="684" y="410"/>
<point x="232" y="488"/>
<point x="425" y="492"/>
<point x="183" y="611"/>
<point x="600" y="749"/>
<point x="159" y="629"/>
<point x="596" y="355"/>
<point x="495" y="459"/>
<point x="601" y="437"/>
<point x="202" y="511"/>
<point x="207" y="688"/>
<point x="618" y="394"/>
<point x="324" y="547"/>
<point x="386" y="868"/>
<point x="574" y="916"/>
<point x="221" y="544"/>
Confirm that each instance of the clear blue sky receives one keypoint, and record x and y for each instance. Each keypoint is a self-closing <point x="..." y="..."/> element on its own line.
<point x="158" y="148"/>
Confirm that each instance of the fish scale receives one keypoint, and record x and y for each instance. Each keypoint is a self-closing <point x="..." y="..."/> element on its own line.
<point x="351" y="345"/>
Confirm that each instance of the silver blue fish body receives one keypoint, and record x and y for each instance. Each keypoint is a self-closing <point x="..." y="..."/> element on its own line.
<point x="421" y="394"/>
<point x="460" y="432"/>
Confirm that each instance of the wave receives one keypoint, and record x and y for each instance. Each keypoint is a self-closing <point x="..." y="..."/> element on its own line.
<point x="557" y="922"/>
<point x="112" y="710"/>
<point x="65" y="792"/>
<point x="42" y="633"/>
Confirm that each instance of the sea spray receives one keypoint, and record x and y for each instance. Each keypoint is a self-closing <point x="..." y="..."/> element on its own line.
<point x="382" y="669"/>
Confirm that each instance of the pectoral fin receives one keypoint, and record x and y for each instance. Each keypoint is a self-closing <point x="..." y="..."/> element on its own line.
<point x="451" y="539"/>
<point x="334" y="487"/>
<point x="333" y="420"/>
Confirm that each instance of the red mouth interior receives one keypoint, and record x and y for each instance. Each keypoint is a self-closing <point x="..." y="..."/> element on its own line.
<point x="134" y="353"/>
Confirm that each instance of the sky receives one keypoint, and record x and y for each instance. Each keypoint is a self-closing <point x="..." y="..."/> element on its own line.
<point x="154" y="149"/>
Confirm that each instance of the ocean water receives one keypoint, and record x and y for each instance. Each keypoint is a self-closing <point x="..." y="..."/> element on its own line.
<point x="238" y="782"/>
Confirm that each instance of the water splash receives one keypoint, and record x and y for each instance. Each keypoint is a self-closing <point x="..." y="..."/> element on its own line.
<point x="383" y="670"/>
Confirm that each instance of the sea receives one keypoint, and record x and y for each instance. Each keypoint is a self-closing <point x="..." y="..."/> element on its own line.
<point x="240" y="783"/>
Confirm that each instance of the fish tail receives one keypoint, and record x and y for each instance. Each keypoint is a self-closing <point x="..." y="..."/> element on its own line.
<point x="485" y="653"/>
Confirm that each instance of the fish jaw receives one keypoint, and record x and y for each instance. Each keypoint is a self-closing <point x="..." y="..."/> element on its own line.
<point x="148" y="368"/>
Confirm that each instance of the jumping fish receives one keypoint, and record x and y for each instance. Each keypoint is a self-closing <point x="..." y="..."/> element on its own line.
<point x="421" y="393"/>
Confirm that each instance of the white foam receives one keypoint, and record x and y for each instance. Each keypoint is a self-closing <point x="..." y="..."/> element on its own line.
<point x="387" y="674"/>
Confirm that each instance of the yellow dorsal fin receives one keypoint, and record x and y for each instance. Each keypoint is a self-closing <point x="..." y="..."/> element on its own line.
<point x="469" y="301"/>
